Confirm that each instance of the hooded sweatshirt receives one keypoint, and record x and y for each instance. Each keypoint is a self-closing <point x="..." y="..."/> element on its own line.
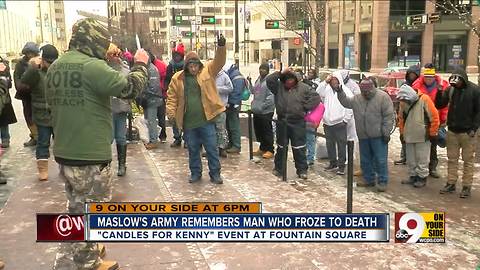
<point x="335" y="112"/>
<point x="291" y="103"/>
<point x="79" y="86"/>
<point x="420" y="119"/>
<point x="224" y="86"/>
<point x="412" y="69"/>
<point x="373" y="115"/>
<point x="463" y="105"/>
<point x="238" y="81"/>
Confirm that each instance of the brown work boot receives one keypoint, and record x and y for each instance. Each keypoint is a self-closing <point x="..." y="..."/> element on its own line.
<point x="103" y="250"/>
<point x="358" y="173"/>
<point x="42" y="165"/>
<point x="258" y="153"/>
<point x="108" y="265"/>
<point x="150" y="146"/>
<point x="267" y="155"/>
<point x="2" y="265"/>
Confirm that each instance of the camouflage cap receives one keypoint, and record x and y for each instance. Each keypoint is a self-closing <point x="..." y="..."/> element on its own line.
<point x="90" y="37"/>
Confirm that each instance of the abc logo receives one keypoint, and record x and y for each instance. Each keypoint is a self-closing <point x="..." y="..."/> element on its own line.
<point x="402" y="235"/>
<point x="409" y="228"/>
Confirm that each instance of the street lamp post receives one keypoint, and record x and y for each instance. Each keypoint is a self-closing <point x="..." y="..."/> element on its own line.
<point x="236" y="35"/>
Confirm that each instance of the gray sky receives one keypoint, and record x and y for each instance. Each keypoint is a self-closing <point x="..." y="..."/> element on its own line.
<point x="71" y="7"/>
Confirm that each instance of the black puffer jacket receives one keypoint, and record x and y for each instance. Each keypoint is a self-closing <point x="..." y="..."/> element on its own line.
<point x="463" y="105"/>
<point x="293" y="103"/>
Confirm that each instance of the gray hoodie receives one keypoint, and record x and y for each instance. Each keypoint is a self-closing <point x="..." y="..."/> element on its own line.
<point x="224" y="86"/>
<point x="263" y="100"/>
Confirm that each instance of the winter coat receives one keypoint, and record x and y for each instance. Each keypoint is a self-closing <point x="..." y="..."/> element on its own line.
<point x="82" y="120"/>
<point x="354" y="90"/>
<point x="238" y="81"/>
<point x="152" y="94"/>
<point x="23" y="92"/>
<point x="263" y="100"/>
<point x="211" y="102"/>
<point x="335" y="113"/>
<point x="419" y="120"/>
<point x="441" y="85"/>
<point x="373" y="117"/>
<point x="294" y="103"/>
<point x="172" y="68"/>
<point x="7" y="114"/>
<point x="162" y="71"/>
<point x="463" y="105"/>
<point x="224" y="86"/>
<point x="35" y="80"/>
<point x="120" y="105"/>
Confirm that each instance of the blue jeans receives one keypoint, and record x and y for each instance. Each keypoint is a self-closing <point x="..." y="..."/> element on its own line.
<point x="4" y="133"/>
<point x="195" y="138"/>
<point x="150" y="114"/>
<point x="373" y="160"/>
<point x="311" y="144"/>
<point x="43" y="143"/>
<point x="120" y="128"/>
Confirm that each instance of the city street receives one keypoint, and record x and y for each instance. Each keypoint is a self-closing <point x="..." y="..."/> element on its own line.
<point x="162" y="174"/>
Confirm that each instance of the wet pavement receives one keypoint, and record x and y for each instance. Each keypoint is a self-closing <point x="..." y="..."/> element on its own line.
<point x="162" y="175"/>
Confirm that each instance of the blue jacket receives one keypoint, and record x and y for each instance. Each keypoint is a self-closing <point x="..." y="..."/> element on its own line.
<point x="238" y="81"/>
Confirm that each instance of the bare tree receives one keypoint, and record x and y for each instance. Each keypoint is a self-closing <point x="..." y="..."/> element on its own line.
<point x="464" y="13"/>
<point x="308" y="10"/>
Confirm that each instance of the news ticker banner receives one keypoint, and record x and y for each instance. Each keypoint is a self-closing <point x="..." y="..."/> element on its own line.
<point x="231" y="222"/>
<point x="174" y="208"/>
<point x="238" y="227"/>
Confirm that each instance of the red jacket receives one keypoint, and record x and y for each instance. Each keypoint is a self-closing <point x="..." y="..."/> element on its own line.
<point x="420" y="86"/>
<point x="162" y="71"/>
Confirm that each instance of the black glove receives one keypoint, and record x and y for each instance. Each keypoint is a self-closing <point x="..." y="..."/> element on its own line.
<point x="221" y="40"/>
<point x="339" y="89"/>
<point x="471" y="133"/>
<point x="433" y="139"/>
<point x="402" y="140"/>
<point x="386" y="139"/>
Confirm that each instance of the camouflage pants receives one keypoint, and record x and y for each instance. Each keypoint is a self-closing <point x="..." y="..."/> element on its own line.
<point x="91" y="183"/>
<point x="221" y="129"/>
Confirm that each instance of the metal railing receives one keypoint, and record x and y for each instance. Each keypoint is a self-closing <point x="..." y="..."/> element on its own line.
<point x="350" y="146"/>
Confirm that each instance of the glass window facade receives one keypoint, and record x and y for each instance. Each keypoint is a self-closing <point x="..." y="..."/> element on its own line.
<point x="410" y="42"/>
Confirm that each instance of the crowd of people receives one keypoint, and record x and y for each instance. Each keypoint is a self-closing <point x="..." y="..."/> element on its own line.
<point x="82" y="98"/>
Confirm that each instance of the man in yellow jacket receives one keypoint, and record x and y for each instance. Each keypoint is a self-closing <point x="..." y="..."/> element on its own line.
<point x="193" y="103"/>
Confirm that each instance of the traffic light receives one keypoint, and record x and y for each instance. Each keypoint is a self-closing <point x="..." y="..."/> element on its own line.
<point x="187" y="34"/>
<point x="208" y="20"/>
<point x="434" y="17"/>
<point x="303" y="24"/>
<point x="176" y="19"/>
<point x="272" y="24"/>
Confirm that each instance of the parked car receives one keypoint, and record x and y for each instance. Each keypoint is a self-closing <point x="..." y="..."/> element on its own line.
<point x="390" y="82"/>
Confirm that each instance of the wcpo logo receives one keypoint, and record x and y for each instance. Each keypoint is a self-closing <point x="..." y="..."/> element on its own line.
<point x="420" y="227"/>
<point x="66" y="224"/>
<point x="60" y="227"/>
